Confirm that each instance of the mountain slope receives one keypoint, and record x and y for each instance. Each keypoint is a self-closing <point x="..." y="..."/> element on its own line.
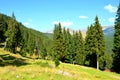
<point x="49" y="35"/>
<point x="109" y="32"/>
<point x="31" y="39"/>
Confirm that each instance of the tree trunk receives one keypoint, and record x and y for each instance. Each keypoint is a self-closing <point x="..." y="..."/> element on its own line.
<point x="5" y="45"/>
<point x="97" y="65"/>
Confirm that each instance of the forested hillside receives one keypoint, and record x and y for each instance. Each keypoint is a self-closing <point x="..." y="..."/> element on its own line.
<point x="18" y="38"/>
<point x="109" y="33"/>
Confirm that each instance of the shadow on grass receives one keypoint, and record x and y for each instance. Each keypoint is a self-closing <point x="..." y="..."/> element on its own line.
<point x="7" y="59"/>
<point x="44" y="64"/>
<point x="1" y="45"/>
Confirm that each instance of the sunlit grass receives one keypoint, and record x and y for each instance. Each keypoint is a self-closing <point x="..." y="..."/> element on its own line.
<point x="46" y="70"/>
<point x="41" y="70"/>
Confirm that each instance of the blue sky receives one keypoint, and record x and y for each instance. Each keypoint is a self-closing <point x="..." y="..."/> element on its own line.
<point x="74" y="14"/>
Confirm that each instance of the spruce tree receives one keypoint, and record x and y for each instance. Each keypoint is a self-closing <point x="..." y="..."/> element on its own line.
<point x="68" y="47"/>
<point x="13" y="16"/>
<point x="116" y="48"/>
<point x="73" y="47"/>
<point x="90" y="45"/>
<point x="13" y="35"/>
<point x="95" y="44"/>
<point x="58" y="44"/>
<point x="65" y="43"/>
<point x="80" y="57"/>
<point x="43" y="51"/>
<point x="3" y="28"/>
<point x="100" y="42"/>
<point x="31" y="44"/>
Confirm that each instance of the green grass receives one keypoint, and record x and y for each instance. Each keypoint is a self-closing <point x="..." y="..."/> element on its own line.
<point x="46" y="70"/>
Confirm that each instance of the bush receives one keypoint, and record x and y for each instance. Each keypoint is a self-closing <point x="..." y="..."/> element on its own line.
<point x="57" y="63"/>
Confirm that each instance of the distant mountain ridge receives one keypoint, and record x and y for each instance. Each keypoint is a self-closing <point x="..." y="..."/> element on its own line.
<point x="108" y="30"/>
<point x="109" y="36"/>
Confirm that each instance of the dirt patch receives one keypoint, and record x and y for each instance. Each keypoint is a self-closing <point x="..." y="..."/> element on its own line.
<point x="64" y="73"/>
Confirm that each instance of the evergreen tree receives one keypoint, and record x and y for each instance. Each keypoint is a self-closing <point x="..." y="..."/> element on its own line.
<point x="80" y="57"/>
<point x="73" y="47"/>
<point x="13" y="16"/>
<point x="24" y="41"/>
<point x="3" y="28"/>
<point x="58" y="44"/>
<point x="95" y="44"/>
<point x="65" y="43"/>
<point x="90" y="45"/>
<point x="100" y="42"/>
<point x="13" y="35"/>
<point x="116" y="48"/>
<point x="68" y="46"/>
<point x="43" y="52"/>
<point x="31" y="44"/>
<point x="108" y="61"/>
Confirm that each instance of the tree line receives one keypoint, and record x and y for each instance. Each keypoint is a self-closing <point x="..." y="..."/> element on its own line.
<point x="72" y="48"/>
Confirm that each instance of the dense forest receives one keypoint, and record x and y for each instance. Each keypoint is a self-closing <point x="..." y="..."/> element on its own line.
<point x="19" y="39"/>
<point x="62" y="45"/>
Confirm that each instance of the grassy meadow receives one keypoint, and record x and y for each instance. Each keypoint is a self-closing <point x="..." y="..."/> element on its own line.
<point x="16" y="67"/>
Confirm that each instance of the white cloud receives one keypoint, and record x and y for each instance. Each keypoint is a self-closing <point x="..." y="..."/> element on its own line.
<point x="64" y="23"/>
<point x="110" y="8"/>
<point x="111" y="19"/>
<point x="83" y="17"/>
<point x="26" y="23"/>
